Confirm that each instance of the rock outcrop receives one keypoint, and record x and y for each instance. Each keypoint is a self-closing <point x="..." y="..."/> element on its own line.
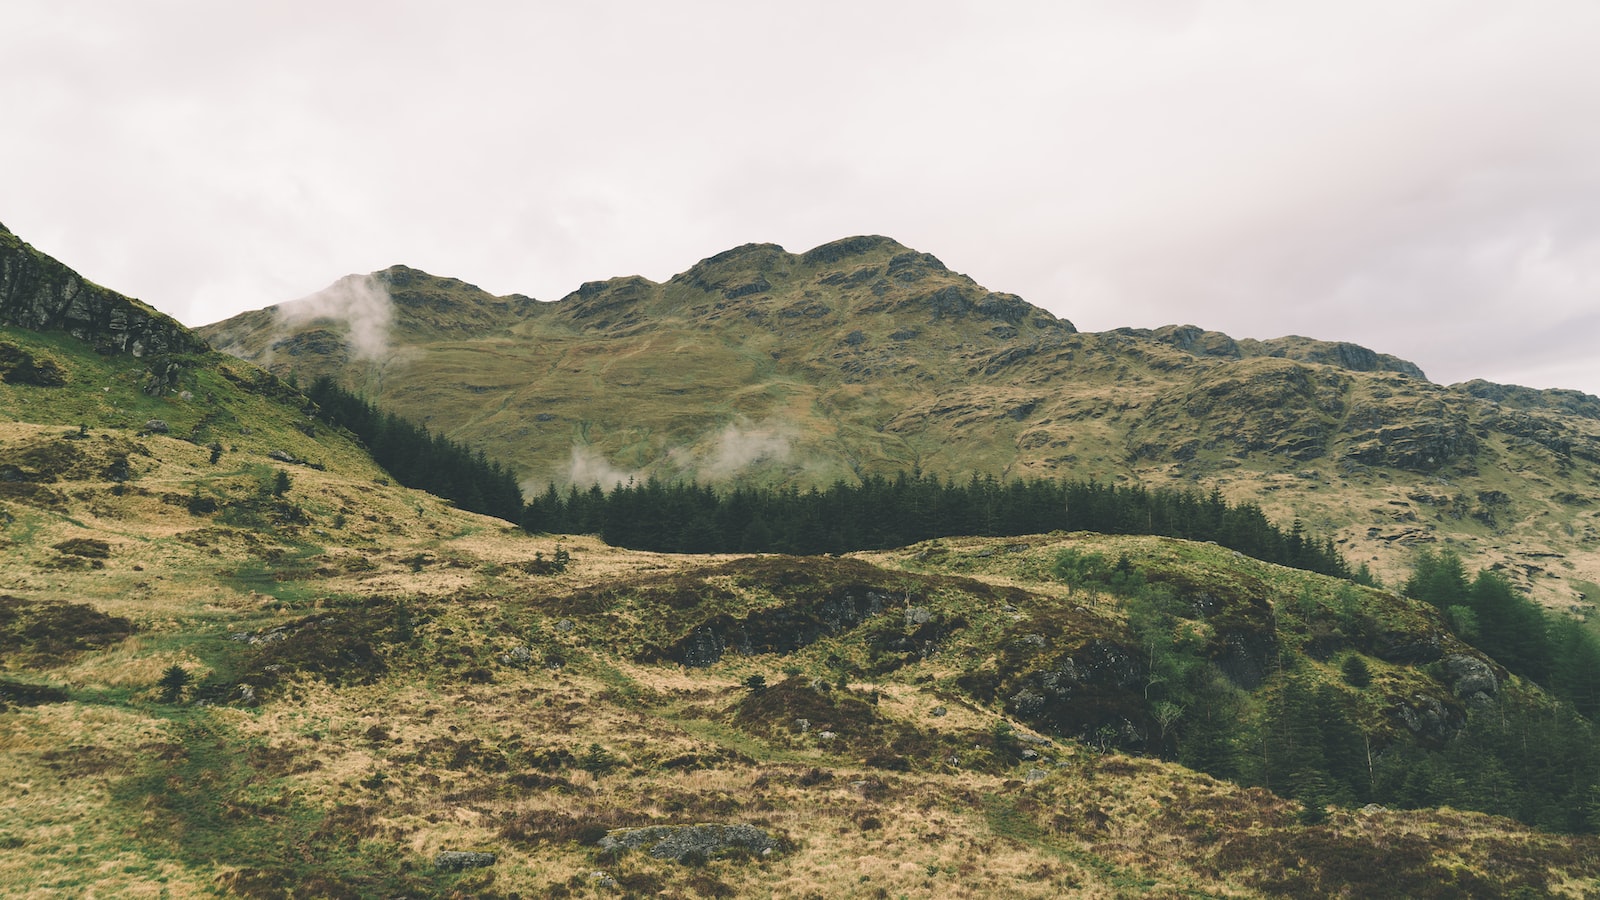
<point x="690" y="843"/>
<point x="40" y="294"/>
<point x="457" y="860"/>
<point x="1339" y="354"/>
<point x="1472" y="679"/>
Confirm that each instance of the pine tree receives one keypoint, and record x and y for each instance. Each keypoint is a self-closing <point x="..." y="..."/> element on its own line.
<point x="1356" y="672"/>
<point x="1439" y="579"/>
<point x="172" y="683"/>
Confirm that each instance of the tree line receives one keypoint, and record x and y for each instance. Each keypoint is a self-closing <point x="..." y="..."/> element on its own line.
<point x="418" y="458"/>
<point x="880" y="513"/>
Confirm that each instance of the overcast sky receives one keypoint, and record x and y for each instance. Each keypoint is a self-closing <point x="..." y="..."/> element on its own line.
<point x="1422" y="178"/>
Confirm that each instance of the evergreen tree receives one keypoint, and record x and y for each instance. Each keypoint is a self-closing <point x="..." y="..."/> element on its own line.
<point x="1437" y="578"/>
<point x="418" y="459"/>
<point x="1355" y="671"/>
<point x="1575" y="665"/>
<point x="1511" y="628"/>
<point x="172" y="683"/>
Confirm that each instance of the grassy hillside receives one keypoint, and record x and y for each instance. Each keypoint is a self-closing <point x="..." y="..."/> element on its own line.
<point x="863" y="356"/>
<point x="378" y="678"/>
<point x="237" y="660"/>
<point x="371" y="692"/>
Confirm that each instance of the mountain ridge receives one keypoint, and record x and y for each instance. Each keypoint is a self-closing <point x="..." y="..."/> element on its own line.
<point x="864" y="356"/>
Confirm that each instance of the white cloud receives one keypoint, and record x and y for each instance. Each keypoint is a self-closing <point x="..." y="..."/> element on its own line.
<point x="361" y="303"/>
<point x="587" y="466"/>
<point x="1423" y="178"/>
<point x="740" y="446"/>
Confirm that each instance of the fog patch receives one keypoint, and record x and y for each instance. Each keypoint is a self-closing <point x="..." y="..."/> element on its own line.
<point x="588" y="466"/>
<point x="739" y="447"/>
<point x="361" y="302"/>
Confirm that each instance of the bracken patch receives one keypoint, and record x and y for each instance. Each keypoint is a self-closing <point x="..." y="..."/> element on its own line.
<point x="50" y="632"/>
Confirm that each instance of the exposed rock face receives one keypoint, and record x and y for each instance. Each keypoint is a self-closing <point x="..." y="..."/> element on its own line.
<point x="1541" y="428"/>
<point x="1512" y="396"/>
<point x="782" y="630"/>
<point x="1198" y="341"/>
<point x="1471" y="679"/>
<point x="1284" y="409"/>
<point x="1091" y="688"/>
<point x="1429" y="718"/>
<point x="1339" y="354"/>
<point x="687" y="843"/>
<point x="40" y="294"/>
<point x="704" y="647"/>
<point x="1423" y="446"/>
<point x="1344" y="355"/>
<point x="456" y="860"/>
<point x="1409" y="648"/>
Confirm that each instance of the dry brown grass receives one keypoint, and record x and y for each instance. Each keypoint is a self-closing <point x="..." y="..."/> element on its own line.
<point x="450" y="746"/>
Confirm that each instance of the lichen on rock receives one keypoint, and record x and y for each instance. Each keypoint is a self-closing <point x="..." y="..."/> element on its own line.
<point x="688" y="843"/>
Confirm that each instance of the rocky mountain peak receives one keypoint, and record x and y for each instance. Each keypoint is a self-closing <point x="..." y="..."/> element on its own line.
<point x="845" y="248"/>
<point x="739" y="272"/>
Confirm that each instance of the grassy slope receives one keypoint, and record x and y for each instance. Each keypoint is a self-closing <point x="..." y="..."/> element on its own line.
<point x="395" y="716"/>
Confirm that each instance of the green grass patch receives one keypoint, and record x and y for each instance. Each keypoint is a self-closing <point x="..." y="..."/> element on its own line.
<point x="212" y="795"/>
<point x="1008" y="820"/>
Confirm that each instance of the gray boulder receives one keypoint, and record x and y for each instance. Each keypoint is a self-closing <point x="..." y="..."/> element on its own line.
<point x="1471" y="678"/>
<point x="687" y="843"/>
<point x="1429" y="718"/>
<point x="456" y="860"/>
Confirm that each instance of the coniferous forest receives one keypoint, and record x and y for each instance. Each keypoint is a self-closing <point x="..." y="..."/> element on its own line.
<point x="418" y="459"/>
<point x="880" y="513"/>
<point x="1538" y="763"/>
<point x="876" y="514"/>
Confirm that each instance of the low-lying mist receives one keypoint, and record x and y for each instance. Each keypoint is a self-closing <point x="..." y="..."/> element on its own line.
<point x="726" y="453"/>
<point x="361" y="302"/>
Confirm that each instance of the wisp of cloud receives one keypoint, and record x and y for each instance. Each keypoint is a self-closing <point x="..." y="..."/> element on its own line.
<point x="738" y="448"/>
<point x="587" y="466"/>
<point x="361" y="302"/>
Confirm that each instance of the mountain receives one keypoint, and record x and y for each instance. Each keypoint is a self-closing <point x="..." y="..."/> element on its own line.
<point x="236" y="659"/>
<point x="863" y="356"/>
<point x="37" y="292"/>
